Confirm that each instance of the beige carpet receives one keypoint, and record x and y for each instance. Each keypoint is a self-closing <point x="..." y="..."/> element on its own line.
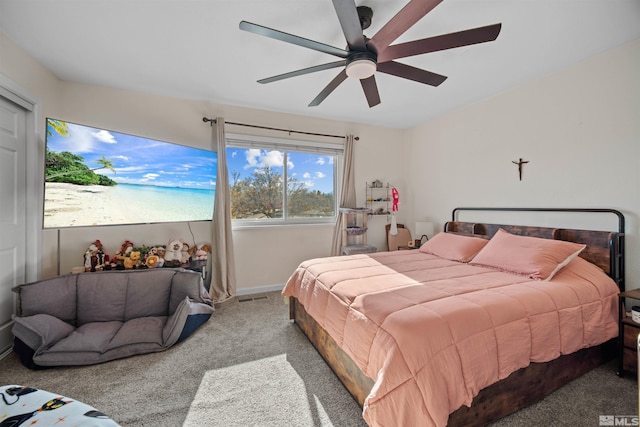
<point x="266" y="392"/>
<point x="249" y="366"/>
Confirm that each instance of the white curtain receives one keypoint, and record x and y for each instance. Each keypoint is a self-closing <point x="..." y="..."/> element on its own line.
<point x="223" y="281"/>
<point x="347" y="193"/>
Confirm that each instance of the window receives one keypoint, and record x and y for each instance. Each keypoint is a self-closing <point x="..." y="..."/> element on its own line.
<point x="259" y="168"/>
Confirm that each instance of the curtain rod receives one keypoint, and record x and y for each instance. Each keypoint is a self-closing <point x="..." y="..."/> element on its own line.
<point x="206" y="119"/>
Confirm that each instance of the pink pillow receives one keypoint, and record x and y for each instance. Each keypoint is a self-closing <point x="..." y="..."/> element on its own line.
<point x="530" y="256"/>
<point x="454" y="247"/>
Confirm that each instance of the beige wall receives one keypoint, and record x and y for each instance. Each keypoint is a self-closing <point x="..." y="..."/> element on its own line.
<point x="265" y="257"/>
<point x="30" y="76"/>
<point x="579" y="129"/>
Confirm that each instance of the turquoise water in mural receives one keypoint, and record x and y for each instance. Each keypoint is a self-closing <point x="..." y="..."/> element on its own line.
<point x="157" y="204"/>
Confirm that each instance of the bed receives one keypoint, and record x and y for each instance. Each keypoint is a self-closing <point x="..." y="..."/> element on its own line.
<point x="465" y="330"/>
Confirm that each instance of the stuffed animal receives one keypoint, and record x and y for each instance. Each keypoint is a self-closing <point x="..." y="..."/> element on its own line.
<point x="185" y="254"/>
<point x="92" y="260"/>
<point x="87" y="259"/>
<point x="173" y="254"/>
<point x="160" y="252"/>
<point x="132" y="260"/>
<point x="151" y="261"/>
<point x="98" y="245"/>
<point x="125" y="248"/>
<point x="123" y="252"/>
<point x="201" y="252"/>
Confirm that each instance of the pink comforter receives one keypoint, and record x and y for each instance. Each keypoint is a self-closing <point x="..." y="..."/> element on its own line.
<point x="432" y="333"/>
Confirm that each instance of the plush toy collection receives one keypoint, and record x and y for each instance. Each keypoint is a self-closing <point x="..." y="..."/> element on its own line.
<point x="174" y="254"/>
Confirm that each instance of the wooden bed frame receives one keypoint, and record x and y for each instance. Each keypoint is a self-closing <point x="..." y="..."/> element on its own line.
<point x="527" y="385"/>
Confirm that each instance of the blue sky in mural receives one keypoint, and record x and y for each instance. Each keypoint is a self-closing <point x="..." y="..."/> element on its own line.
<point x="138" y="160"/>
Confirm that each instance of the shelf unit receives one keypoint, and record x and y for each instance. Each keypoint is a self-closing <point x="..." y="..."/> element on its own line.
<point x="378" y="198"/>
<point x="354" y="231"/>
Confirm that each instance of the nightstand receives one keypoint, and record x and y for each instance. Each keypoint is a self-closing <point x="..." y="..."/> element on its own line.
<point x="628" y="336"/>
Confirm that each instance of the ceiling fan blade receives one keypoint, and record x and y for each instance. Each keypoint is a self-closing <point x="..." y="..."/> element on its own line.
<point x="303" y="71"/>
<point x="411" y="73"/>
<point x="290" y="38"/>
<point x="329" y="88"/>
<point x="350" y="23"/>
<point x="442" y="42"/>
<point x="401" y="22"/>
<point x="371" y="91"/>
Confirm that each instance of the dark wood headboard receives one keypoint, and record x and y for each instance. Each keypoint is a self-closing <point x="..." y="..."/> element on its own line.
<point x="604" y="248"/>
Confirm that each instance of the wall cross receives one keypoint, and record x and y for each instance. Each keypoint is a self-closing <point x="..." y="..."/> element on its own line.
<point x="520" y="164"/>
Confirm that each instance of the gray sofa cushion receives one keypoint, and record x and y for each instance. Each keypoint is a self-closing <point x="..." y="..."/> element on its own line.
<point x="118" y="314"/>
<point x="56" y="297"/>
<point x="185" y="287"/>
<point x="152" y="292"/>
<point x="88" y="337"/>
<point x="40" y="331"/>
<point x="101" y="298"/>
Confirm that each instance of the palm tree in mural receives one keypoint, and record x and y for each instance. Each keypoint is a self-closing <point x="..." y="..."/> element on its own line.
<point x="103" y="162"/>
<point x="59" y="126"/>
<point x="66" y="163"/>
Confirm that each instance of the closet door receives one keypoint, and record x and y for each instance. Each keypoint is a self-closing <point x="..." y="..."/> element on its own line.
<point x="12" y="211"/>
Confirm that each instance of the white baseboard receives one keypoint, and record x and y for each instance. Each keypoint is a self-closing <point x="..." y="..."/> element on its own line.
<point x="259" y="289"/>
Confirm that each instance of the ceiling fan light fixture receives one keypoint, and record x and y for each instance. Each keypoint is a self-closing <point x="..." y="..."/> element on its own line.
<point x="361" y="65"/>
<point x="361" y="69"/>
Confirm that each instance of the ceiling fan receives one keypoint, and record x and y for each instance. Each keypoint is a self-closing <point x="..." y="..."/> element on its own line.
<point x="364" y="56"/>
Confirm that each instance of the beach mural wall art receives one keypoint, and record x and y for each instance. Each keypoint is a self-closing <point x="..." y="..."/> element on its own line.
<point x="97" y="177"/>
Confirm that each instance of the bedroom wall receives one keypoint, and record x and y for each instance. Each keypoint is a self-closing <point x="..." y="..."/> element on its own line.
<point x="27" y="73"/>
<point x="265" y="257"/>
<point x="579" y="129"/>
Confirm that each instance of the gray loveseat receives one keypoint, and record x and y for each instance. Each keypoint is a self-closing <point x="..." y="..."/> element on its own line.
<point x="87" y="318"/>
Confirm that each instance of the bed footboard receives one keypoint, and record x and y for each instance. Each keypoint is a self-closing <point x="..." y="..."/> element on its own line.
<point x="358" y="384"/>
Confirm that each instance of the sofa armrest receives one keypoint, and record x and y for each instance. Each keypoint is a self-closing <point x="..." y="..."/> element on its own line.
<point x="187" y="283"/>
<point x="189" y="315"/>
<point x="40" y="331"/>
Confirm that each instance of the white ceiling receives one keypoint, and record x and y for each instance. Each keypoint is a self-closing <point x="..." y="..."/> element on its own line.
<point x="194" y="50"/>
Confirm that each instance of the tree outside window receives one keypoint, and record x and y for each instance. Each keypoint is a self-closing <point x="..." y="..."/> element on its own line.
<point x="257" y="177"/>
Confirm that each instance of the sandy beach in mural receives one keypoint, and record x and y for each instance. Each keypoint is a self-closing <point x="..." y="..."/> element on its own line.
<point x="69" y="205"/>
